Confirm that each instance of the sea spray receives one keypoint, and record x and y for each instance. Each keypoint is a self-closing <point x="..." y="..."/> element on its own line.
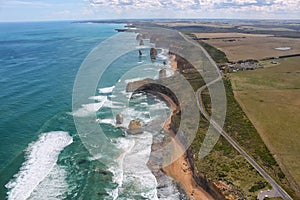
<point x="41" y="157"/>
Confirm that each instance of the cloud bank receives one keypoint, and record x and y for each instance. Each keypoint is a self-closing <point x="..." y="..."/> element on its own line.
<point x="201" y="4"/>
<point x="194" y="7"/>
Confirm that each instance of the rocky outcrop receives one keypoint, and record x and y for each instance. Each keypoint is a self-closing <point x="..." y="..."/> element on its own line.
<point x="153" y="53"/>
<point x="139" y="36"/>
<point x="182" y="64"/>
<point x="135" y="127"/>
<point x="119" y="119"/>
<point x="163" y="73"/>
<point x="133" y="86"/>
<point x="142" y="36"/>
<point x="155" y="87"/>
<point x="142" y="43"/>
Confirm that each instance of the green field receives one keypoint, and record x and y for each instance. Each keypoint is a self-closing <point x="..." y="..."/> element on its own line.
<point x="270" y="97"/>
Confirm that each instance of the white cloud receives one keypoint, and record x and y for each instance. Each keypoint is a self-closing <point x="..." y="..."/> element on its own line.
<point x="25" y="3"/>
<point x="180" y="4"/>
<point x="198" y="8"/>
<point x="177" y="4"/>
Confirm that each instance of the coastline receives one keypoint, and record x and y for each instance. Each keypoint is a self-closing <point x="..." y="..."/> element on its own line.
<point x="180" y="169"/>
<point x="181" y="175"/>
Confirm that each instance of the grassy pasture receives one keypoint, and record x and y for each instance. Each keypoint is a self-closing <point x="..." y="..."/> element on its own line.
<point x="270" y="97"/>
<point x="238" y="46"/>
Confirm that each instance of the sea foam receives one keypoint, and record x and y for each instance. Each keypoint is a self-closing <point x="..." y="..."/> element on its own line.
<point x="41" y="157"/>
<point x="106" y="90"/>
<point x="88" y="109"/>
<point x="98" y="98"/>
<point x="135" y="170"/>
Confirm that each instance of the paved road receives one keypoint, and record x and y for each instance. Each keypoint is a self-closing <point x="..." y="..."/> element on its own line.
<point x="277" y="189"/>
<point x="281" y="192"/>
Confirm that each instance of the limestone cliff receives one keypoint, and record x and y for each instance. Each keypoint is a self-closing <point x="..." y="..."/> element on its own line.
<point x="153" y="53"/>
<point x="162" y="73"/>
<point x="135" y="127"/>
<point x="119" y="119"/>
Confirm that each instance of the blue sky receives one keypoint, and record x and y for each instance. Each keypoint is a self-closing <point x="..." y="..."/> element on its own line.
<point x="39" y="10"/>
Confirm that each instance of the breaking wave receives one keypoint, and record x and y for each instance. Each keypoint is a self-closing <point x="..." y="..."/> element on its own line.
<point x="41" y="157"/>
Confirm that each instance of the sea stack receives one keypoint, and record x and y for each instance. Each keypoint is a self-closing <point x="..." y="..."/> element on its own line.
<point x="119" y="119"/>
<point x="163" y="73"/>
<point x="135" y="127"/>
<point x="153" y="53"/>
<point x="139" y="37"/>
<point x="142" y="43"/>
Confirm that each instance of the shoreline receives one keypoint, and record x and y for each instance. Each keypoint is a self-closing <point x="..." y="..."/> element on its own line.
<point x="180" y="169"/>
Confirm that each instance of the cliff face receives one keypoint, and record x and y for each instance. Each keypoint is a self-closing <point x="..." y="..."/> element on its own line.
<point x="163" y="73"/>
<point x="202" y="180"/>
<point x="135" y="127"/>
<point x="134" y="86"/>
<point x="153" y="87"/>
<point x="182" y="64"/>
<point x="119" y="119"/>
<point x="153" y="53"/>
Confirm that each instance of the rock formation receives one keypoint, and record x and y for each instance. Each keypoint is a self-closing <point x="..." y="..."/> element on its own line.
<point x="163" y="73"/>
<point x="153" y="53"/>
<point x="139" y="36"/>
<point x="119" y="119"/>
<point x="133" y="86"/>
<point x="135" y="127"/>
<point x="142" y="43"/>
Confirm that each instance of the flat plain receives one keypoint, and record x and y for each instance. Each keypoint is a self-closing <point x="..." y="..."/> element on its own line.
<point x="271" y="99"/>
<point x="242" y="46"/>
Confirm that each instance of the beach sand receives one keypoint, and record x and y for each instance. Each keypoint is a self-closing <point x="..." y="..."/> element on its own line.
<point x="179" y="170"/>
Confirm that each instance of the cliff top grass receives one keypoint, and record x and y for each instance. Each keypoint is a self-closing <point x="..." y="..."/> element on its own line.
<point x="270" y="98"/>
<point x="224" y="163"/>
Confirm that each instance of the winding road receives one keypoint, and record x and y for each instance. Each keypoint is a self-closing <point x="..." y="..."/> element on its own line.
<point x="277" y="190"/>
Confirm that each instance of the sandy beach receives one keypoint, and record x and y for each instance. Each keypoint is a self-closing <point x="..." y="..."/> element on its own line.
<point x="179" y="170"/>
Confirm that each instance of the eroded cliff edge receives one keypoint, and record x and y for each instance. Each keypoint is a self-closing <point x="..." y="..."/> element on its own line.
<point x="161" y="89"/>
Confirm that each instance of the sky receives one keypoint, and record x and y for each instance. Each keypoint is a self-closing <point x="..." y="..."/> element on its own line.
<point x="42" y="10"/>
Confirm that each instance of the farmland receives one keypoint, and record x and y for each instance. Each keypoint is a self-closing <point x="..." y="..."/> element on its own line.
<point x="270" y="97"/>
<point x="241" y="46"/>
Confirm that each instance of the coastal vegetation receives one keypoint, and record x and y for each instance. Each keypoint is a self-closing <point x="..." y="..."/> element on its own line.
<point x="232" y="165"/>
<point x="217" y="55"/>
<point x="224" y="165"/>
<point x="270" y="97"/>
<point x="228" y="170"/>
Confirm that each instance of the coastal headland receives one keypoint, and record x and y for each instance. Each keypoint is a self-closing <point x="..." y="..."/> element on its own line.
<point x="195" y="186"/>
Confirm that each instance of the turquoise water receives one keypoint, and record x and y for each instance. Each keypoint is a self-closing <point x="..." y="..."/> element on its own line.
<point x="41" y="154"/>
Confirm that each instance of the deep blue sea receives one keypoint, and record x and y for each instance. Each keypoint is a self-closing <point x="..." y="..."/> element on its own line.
<point x="42" y="155"/>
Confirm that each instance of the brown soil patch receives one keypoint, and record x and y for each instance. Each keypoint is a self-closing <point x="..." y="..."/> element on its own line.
<point x="238" y="46"/>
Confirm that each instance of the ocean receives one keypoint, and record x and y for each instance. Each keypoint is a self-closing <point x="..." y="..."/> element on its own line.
<point x="42" y="155"/>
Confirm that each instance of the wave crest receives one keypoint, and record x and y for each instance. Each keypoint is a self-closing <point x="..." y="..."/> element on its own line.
<point x="41" y="157"/>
